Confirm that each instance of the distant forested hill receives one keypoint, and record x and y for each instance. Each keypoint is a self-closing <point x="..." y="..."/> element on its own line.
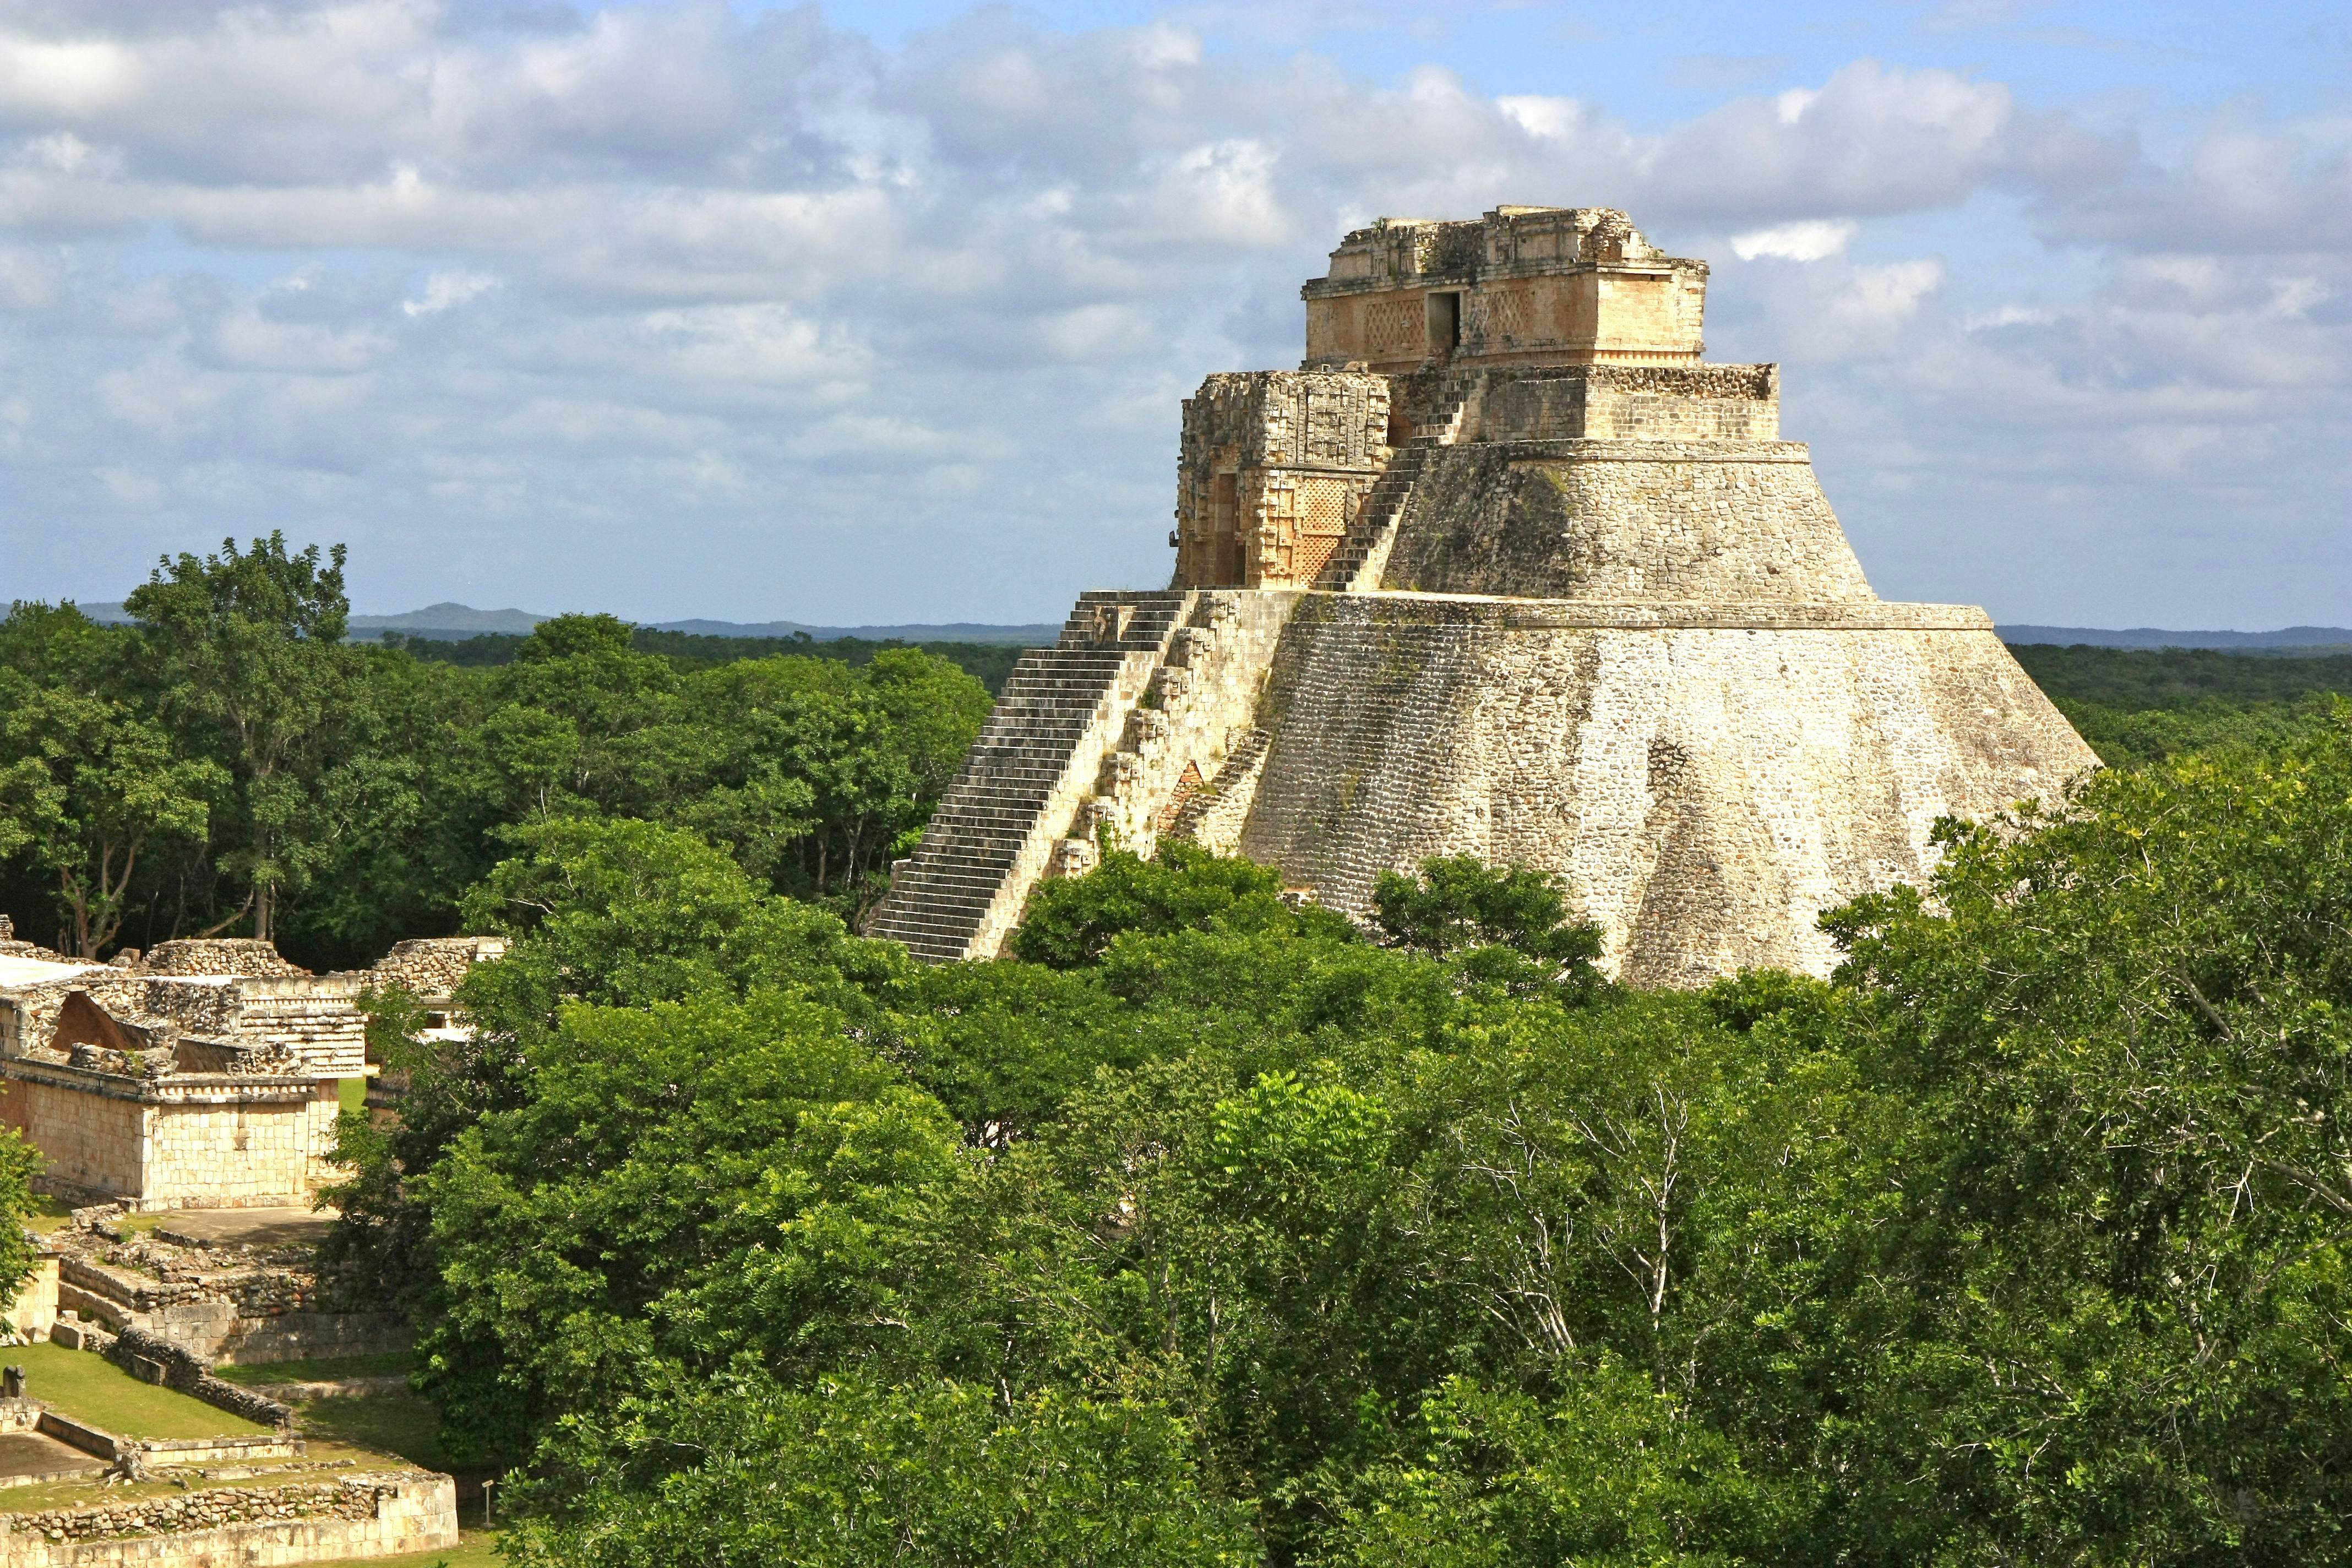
<point x="2141" y="705"/>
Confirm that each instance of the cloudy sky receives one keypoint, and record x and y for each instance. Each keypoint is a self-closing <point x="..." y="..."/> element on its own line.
<point x="882" y="312"/>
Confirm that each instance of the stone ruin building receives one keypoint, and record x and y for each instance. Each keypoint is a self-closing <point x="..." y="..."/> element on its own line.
<point x="207" y="1075"/>
<point x="1506" y="569"/>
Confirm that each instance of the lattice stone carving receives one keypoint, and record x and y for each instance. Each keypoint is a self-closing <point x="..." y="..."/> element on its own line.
<point x="1396" y="325"/>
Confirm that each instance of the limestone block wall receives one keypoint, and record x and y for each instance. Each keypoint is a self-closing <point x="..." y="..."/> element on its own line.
<point x="195" y="1004"/>
<point x="432" y="967"/>
<point x="1655" y="403"/>
<point x="94" y="1142"/>
<point x="28" y="1014"/>
<point x="310" y="1336"/>
<point x="219" y="956"/>
<point x="1707" y="779"/>
<point x="1213" y="816"/>
<point x="33" y="1310"/>
<point x="317" y="1017"/>
<point x="1625" y="521"/>
<point x="204" y="1153"/>
<point x="1520" y="284"/>
<point x="351" y="1517"/>
<point x="188" y="1141"/>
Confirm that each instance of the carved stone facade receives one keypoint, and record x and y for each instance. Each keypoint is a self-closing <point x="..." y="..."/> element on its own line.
<point x="1588" y="614"/>
<point x="1272" y="471"/>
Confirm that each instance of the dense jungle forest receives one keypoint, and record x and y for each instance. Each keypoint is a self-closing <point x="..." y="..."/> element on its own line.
<point x="230" y="765"/>
<point x="1212" y="1229"/>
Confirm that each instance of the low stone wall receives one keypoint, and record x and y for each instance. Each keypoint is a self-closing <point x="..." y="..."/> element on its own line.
<point x="364" y="1516"/>
<point x="103" y="1445"/>
<point x="79" y="1435"/>
<point x="75" y="1335"/>
<point x="220" y="956"/>
<point x="175" y="1366"/>
<point x="345" y="1387"/>
<point x="249" y="1318"/>
<point x="219" y="1450"/>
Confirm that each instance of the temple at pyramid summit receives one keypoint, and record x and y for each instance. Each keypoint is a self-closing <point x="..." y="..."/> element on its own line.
<point x="1506" y="568"/>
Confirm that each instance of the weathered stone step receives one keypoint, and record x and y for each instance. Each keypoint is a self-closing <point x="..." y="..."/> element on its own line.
<point x="985" y="840"/>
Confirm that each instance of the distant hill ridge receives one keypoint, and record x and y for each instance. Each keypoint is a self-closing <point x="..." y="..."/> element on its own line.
<point x="450" y="621"/>
<point x="2155" y="638"/>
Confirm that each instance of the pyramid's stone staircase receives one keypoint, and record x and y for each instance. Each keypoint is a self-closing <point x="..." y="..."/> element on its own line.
<point x="1039" y="754"/>
<point x="1362" y="556"/>
<point x="1101" y="737"/>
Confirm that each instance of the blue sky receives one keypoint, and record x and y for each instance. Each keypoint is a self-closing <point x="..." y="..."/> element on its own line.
<point x="884" y="312"/>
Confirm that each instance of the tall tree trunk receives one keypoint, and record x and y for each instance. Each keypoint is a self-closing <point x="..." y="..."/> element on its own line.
<point x="265" y="899"/>
<point x="83" y="946"/>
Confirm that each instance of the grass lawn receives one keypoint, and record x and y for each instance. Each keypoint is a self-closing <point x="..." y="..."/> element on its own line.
<point x="407" y="1425"/>
<point x="477" y="1549"/>
<point x="91" y="1388"/>
<point x="391" y="1363"/>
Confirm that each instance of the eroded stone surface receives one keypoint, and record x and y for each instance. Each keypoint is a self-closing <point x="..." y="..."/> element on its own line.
<point x="1704" y="792"/>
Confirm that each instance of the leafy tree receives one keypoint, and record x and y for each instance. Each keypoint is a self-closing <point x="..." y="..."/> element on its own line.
<point x="1072" y="921"/>
<point x="405" y="815"/>
<point x="790" y="1153"/>
<point x="848" y="1474"/>
<point x="2126" y="1184"/>
<point x="91" y="781"/>
<point x="19" y="1163"/>
<point x="86" y="787"/>
<point x="1608" y="1472"/>
<point x="247" y="645"/>
<point x="1457" y="904"/>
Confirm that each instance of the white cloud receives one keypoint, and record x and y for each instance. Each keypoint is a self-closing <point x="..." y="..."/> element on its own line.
<point x="127" y="488"/>
<point x="1808" y="239"/>
<point x="1892" y="292"/>
<point x="906" y="330"/>
<point x="445" y="289"/>
<point x="1554" y="117"/>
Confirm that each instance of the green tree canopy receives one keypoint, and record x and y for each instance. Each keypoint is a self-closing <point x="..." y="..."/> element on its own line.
<point x="248" y="644"/>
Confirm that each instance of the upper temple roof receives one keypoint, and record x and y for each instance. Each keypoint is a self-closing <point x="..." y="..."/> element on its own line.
<point x="1523" y="285"/>
<point x="1518" y="241"/>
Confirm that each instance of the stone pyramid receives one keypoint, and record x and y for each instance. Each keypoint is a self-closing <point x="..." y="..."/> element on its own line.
<point x="1504" y="569"/>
